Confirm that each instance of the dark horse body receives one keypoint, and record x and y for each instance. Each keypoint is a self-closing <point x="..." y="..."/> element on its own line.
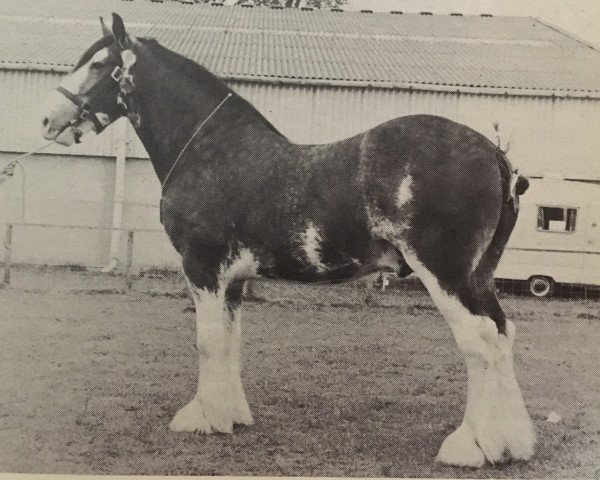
<point x="418" y="193"/>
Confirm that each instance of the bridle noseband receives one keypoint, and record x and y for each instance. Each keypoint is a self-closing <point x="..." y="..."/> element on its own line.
<point x="87" y="111"/>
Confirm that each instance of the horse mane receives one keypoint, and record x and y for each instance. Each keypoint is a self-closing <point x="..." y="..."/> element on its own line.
<point x="199" y="75"/>
<point x="91" y="51"/>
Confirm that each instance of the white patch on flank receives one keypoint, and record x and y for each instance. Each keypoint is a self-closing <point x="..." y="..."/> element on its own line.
<point x="496" y="425"/>
<point x="404" y="192"/>
<point x="311" y="245"/>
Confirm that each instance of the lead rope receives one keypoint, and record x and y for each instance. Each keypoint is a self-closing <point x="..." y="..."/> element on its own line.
<point x="162" y="190"/>
<point x="9" y="169"/>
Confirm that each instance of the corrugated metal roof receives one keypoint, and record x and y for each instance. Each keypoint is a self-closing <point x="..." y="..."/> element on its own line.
<point x="379" y="49"/>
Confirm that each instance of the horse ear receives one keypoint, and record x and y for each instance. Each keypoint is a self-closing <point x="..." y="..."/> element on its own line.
<point x="105" y="30"/>
<point x="118" y="30"/>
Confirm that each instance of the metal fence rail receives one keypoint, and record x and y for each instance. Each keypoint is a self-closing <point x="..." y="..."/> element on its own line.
<point x="505" y="286"/>
<point x="8" y="244"/>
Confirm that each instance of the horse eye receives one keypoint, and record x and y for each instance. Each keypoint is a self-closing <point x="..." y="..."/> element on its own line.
<point x="96" y="65"/>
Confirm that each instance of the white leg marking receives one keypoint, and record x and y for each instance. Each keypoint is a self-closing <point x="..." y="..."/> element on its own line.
<point x="211" y="408"/>
<point x="496" y="425"/>
<point x="241" y="411"/>
<point x="220" y="400"/>
<point x="519" y="431"/>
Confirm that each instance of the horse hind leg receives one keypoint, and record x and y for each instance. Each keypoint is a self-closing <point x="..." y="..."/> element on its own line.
<point x="496" y="425"/>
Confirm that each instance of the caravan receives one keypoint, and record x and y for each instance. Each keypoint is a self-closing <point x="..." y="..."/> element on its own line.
<point x="556" y="238"/>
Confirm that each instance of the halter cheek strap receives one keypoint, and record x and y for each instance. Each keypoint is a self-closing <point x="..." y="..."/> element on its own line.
<point x="100" y="120"/>
<point x="87" y="112"/>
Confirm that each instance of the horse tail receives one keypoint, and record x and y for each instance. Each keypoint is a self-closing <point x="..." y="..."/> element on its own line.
<point x="513" y="186"/>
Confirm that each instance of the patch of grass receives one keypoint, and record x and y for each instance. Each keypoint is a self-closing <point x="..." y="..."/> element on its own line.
<point x="337" y="387"/>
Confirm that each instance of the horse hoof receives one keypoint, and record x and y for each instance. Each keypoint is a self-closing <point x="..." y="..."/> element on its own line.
<point x="194" y="417"/>
<point x="521" y="439"/>
<point x="461" y="450"/>
<point x="243" y="416"/>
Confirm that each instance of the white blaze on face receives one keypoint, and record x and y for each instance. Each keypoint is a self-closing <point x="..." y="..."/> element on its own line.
<point x="74" y="82"/>
<point x="59" y="110"/>
<point x="311" y="245"/>
<point x="404" y="194"/>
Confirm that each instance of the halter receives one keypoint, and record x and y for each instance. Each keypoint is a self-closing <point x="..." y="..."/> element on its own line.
<point x="86" y="108"/>
<point x="123" y="77"/>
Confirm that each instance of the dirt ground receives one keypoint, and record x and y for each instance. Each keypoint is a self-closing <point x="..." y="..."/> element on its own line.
<point x="339" y="384"/>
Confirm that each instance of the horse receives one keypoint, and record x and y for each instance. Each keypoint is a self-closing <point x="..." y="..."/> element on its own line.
<point x="418" y="193"/>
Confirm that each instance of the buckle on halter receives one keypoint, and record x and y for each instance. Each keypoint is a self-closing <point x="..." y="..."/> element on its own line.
<point x="117" y="74"/>
<point x="77" y="133"/>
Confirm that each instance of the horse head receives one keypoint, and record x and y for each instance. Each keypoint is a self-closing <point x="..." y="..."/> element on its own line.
<point x="92" y="96"/>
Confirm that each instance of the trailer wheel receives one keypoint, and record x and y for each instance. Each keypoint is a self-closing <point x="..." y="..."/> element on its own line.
<point x="540" y="286"/>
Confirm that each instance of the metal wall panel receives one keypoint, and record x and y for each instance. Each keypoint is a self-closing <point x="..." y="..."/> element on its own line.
<point x="546" y="135"/>
<point x="77" y="186"/>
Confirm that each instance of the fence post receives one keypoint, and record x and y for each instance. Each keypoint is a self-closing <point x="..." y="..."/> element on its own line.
<point x="129" y="261"/>
<point x="7" y="253"/>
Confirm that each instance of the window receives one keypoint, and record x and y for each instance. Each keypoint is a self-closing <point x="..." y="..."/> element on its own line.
<point x="556" y="219"/>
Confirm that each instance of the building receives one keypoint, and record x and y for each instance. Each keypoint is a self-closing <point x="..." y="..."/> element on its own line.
<point x="317" y="76"/>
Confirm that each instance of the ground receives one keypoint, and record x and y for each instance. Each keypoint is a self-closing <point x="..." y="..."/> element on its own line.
<point x="339" y="384"/>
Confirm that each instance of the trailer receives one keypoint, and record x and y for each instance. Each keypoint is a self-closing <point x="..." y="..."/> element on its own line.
<point x="557" y="237"/>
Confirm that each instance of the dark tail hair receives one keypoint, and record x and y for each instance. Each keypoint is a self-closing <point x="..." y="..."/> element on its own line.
<point x="513" y="185"/>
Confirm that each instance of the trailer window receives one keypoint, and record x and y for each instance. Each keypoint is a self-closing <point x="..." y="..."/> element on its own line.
<point x="557" y="219"/>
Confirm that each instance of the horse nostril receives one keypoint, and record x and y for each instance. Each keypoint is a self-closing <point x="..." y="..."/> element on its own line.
<point x="45" y="122"/>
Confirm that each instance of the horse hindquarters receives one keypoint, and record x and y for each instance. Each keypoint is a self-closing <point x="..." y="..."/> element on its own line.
<point x="437" y="191"/>
<point x="496" y="425"/>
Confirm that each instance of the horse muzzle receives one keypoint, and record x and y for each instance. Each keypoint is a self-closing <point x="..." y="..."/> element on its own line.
<point x="68" y="134"/>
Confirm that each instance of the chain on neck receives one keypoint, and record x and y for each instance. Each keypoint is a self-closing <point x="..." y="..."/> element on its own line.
<point x="216" y="109"/>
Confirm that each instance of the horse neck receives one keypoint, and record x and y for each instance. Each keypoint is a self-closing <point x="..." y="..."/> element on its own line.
<point x="168" y="107"/>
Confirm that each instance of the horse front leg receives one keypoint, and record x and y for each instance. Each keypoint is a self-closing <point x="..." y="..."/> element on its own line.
<point x="233" y="299"/>
<point x="211" y="409"/>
